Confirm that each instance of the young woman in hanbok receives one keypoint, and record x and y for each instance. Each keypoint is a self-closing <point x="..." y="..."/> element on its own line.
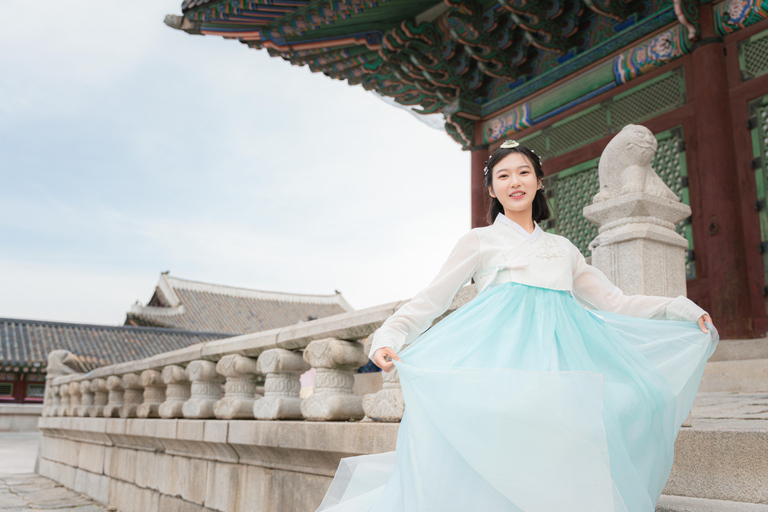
<point x="550" y="391"/>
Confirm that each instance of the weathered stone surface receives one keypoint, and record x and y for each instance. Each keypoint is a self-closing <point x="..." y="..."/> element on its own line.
<point x="91" y="457"/>
<point x="281" y="387"/>
<point x="86" y="398"/>
<point x="239" y="389"/>
<point x="120" y="463"/>
<point x="100" y="398"/>
<point x="387" y="404"/>
<point x="205" y="390"/>
<point x="154" y="394"/>
<point x="177" y="391"/>
<point x="115" y="397"/>
<point x="132" y="395"/>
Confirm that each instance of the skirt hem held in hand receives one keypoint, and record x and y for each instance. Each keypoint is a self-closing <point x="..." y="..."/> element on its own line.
<point x="524" y="400"/>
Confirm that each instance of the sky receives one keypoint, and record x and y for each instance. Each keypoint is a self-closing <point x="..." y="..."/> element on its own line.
<point x="128" y="148"/>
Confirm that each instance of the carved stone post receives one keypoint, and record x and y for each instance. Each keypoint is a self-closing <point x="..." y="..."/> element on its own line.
<point x="335" y="361"/>
<point x="206" y="390"/>
<point x="100" y="397"/>
<point x="64" y="407"/>
<point x="154" y="394"/>
<point x="387" y="404"/>
<point x="74" y="399"/>
<point x="176" y="391"/>
<point x="239" y="389"/>
<point x="52" y="400"/>
<point x="281" y="389"/>
<point x="637" y="246"/>
<point x="132" y="395"/>
<point x="115" y="398"/>
<point x="86" y="398"/>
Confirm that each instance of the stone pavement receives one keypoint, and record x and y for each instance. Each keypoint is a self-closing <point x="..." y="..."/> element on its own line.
<point x="18" y="451"/>
<point x="29" y="492"/>
<point x="730" y="410"/>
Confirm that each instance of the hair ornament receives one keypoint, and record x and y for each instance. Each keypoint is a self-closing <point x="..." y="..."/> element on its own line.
<point x="485" y="168"/>
<point x="507" y="144"/>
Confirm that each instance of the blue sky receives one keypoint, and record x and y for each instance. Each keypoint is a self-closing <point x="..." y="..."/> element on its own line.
<point x="128" y="148"/>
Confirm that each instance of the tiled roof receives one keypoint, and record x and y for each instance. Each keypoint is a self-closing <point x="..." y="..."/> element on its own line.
<point x="191" y="305"/>
<point x="26" y="343"/>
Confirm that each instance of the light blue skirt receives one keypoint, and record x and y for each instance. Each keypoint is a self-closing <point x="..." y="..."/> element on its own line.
<point x="524" y="400"/>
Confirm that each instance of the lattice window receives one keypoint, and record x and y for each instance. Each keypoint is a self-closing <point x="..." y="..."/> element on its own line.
<point x="35" y="390"/>
<point x="759" y="123"/>
<point x="642" y="103"/>
<point x="6" y="389"/>
<point x="753" y="56"/>
<point x="582" y="129"/>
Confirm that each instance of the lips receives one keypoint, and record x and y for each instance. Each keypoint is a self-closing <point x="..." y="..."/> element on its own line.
<point x="517" y="196"/>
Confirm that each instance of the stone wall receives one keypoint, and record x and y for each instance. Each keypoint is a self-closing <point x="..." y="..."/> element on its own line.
<point x="19" y="417"/>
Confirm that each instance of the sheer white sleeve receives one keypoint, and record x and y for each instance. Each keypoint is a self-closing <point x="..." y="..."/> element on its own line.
<point x="592" y="288"/>
<point x="414" y="317"/>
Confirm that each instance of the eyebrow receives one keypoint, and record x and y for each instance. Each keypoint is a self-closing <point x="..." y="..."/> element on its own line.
<point x="526" y="166"/>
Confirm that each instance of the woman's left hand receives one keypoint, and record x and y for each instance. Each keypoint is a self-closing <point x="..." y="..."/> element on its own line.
<point x="704" y="318"/>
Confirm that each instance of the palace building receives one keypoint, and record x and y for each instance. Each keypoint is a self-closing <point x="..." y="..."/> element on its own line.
<point x="563" y="77"/>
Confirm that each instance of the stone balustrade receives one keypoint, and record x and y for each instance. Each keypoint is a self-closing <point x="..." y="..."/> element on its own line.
<point x="216" y="380"/>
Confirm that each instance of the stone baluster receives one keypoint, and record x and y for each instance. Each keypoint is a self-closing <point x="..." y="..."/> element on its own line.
<point x="239" y="388"/>
<point x="64" y="407"/>
<point x="154" y="394"/>
<point x="115" y="397"/>
<point x="52" y="399"/>
<point x="86" y="398"/>
<point x="132" y="395"/>
<point x="74" y="399"/>
<point x="176" y="391"/>
<point x="387" y="404"/>
<point x="100" y="397"/>
<point x="335" y="361"/>
<point x="205" y="390"/>
<point x="281" y="389"/>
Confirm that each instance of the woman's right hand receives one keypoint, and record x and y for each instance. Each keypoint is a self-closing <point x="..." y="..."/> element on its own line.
<point x="379" y="358"/>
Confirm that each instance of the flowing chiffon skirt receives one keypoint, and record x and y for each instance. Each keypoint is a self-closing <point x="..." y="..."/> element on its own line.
<point x="524" y="400"/>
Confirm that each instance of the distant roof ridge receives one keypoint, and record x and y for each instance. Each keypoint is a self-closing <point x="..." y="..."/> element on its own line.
<point x="163" y="330"/>
<point x="237" y="291"/>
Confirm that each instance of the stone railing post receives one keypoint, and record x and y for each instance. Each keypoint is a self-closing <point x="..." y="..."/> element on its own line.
<point x="335" y="361"/>
<point x="115" y="397"/>
<point x="154" y="394"/>
<point x="205" y="390"/>
<point x="100" y="397"/>
<point x="132" y="395"/>
<point x="281" y="388"/>
<point x="176" y="391"/>
<point x="239" y="388"/>
<point x="387" y="404"/>
<point x="74" y="399"/>
<point x="635" y="212"/>
<point x="64" y="407"/>
<point x="52" y="400"/>
<point x="86" y="398"/>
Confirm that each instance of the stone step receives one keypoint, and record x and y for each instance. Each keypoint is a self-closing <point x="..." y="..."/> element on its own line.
<point x="741" y="376"/>
<point x="739" y="350"/>
<point x="669" y="503"/>
<point x="721" y="463"/>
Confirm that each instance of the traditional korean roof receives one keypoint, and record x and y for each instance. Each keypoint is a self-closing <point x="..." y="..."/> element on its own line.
<point x="468" y="59"/>
<point x="183" y="304"/>
<point x="25" y="344"/>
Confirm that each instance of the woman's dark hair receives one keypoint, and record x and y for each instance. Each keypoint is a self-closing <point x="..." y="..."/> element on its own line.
<point x="540" y="206"/>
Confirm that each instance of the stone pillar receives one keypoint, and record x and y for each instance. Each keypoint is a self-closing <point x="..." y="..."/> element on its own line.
<point x="387" y="404"/>
<point x="336" y="362"/>
<point x="100" y="398"/>
<point x="281" y="389"/>
<point x="480" y="197"/>
<point x="52" y="400"/>
<point x="115" y="398"/>
<point x="154" y="394"/>
<point x="86" y="398"/>
<point x="239" y="389"/>
<point x="64" y="407"/>
<point x="176" y="391"/>
<point x="205" y="390"/>
<point x="637" y="246"/>
<point x="74" y="399"/>
<point x="132" y="395"/>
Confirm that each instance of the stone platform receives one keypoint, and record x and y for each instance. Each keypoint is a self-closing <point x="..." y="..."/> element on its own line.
<point x="29" y="492"/>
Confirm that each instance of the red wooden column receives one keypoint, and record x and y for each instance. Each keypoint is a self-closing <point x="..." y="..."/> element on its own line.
<point x="479" y="193"/>
<point x="719" y="244"/>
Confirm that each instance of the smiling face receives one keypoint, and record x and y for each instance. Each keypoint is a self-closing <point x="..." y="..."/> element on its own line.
<point x="514" y="183"/>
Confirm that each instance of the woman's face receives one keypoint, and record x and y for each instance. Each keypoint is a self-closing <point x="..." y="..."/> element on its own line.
<point x="514" y="183"/>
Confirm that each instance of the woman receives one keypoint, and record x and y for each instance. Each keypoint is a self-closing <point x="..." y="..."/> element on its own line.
<point x="550" y="390"/>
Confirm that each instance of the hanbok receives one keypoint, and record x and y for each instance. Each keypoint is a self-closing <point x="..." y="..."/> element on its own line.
<point x="551" y="390"/>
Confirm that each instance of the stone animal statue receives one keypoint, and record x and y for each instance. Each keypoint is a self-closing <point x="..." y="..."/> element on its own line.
<point x="61" y="362"/>
<point x="625" y="166"/>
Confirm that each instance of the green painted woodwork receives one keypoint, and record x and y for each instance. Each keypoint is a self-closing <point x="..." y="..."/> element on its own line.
<point x="758" y="110"/>
<point x="753" y="56"/>
<point x="636" y="105"/>
<point x="570" y="190"/>
<point x="573" y="90"/>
